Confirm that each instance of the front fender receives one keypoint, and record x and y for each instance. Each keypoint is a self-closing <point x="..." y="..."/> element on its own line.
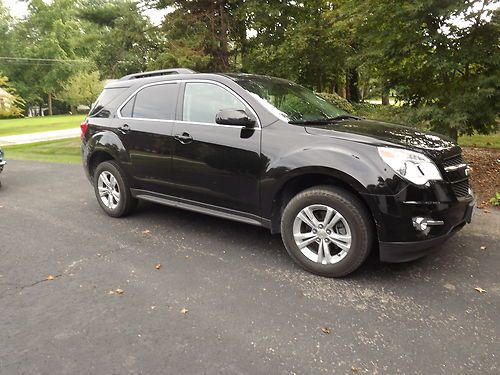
<point x="355" y="165"/>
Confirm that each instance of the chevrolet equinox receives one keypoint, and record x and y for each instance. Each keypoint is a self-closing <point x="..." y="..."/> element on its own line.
<point x="269" y="152"/>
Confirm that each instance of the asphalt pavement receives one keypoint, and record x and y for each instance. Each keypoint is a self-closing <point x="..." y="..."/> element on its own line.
<point x="226" y="299"/>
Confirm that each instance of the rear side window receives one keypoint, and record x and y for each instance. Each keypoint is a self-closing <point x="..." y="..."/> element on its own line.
<point x="100" y="107"/>
<point x="153" y="102"/>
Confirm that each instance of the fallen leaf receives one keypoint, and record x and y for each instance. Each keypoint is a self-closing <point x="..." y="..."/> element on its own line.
<point x="483" y="247"/>
<point x="157" y="266"/>
<point x="354" y="369"/>
<point x="480" y="290"/>
<point x="146" y="231"/>
<point x="119" y="291"/>
<point x="184" y="310"/>
<point x="50" y="277"/>
<point x="325" y="330"/>
<point x="487" y="211"/>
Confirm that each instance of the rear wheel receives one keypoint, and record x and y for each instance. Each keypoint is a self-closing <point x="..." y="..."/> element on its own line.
<point x="327" y="231"/>
<point x="112" y="191"/>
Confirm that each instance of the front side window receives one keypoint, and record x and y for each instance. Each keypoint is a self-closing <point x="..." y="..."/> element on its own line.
<point x="202" y="101"/>
<point x="155" y="102"/>
<point x="287" y="100"/>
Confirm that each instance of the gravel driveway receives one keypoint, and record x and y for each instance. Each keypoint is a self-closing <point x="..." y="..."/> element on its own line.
<point x="250" y="310"/>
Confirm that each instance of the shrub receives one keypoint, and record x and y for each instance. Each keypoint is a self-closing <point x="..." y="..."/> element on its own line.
<point x="11" y="104"/>
<point x="338" y="101"/>
<point x="495" y="201"/>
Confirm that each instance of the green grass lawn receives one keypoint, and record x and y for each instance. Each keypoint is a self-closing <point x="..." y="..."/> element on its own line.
<point x="39" y="124"/>
<point x="490" y="141"/>
<point x="60" y="151"/>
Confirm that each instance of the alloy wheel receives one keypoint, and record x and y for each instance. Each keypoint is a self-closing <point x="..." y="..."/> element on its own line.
<point x="322" y="234"/>
<point x="109" y="190"/>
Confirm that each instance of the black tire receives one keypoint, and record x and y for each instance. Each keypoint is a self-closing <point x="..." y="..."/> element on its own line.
<point x="126" y="203"/>
<point x="355" y="214"/>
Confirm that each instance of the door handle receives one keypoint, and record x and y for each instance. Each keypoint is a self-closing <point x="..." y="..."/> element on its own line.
<point x="183" y="138"/>
<point x="124" y="129"/>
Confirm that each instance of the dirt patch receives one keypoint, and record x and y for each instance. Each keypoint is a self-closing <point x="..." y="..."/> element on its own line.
<point x="485" y="163"/>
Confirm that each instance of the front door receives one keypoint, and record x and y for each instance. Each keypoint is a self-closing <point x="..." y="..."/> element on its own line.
<point x="146" y="124"/>
<point x="215" y="164"/>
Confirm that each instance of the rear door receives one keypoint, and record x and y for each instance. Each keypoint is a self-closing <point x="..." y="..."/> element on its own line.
<point x="215" y="164"/>
<point x="146" y="122"/>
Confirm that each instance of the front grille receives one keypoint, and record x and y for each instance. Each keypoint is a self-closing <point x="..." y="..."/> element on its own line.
<point x="454" y="160"/>
<point x="457" y="177"/>
<point x="461" y="188"/>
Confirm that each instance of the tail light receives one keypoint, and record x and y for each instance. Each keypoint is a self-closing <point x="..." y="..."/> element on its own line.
<point x="84" y="127"/>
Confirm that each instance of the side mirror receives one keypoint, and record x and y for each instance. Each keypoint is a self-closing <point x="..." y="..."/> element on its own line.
<point x="236" y="117"/>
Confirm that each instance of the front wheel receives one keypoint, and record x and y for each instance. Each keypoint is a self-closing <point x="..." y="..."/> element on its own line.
<point x="112" y="191"/>
<point x="327" y="231"/>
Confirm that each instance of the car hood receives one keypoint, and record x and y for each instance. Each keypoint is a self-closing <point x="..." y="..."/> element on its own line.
<point x="383" y="133"/>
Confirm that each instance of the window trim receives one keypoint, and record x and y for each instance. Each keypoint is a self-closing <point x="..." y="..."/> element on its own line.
<point x="231" y="91"/>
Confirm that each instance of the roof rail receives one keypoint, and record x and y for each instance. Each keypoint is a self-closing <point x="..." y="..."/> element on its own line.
<point x="154" y="73"/>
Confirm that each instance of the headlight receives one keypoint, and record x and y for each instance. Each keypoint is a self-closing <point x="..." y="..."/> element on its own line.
<point x="412" y="166"/>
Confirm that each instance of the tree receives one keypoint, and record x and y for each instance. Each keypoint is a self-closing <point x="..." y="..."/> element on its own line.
<point x="201" y="31"/>
<point x="11" y="104"/>
<point x="449" y="72"/>
<point x="45" y="47"/>
<point x="122" y="38"/>
<point x="81" y="88"/>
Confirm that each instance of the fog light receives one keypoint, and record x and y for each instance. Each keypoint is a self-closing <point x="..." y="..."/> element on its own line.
<point x="422" y="224"/>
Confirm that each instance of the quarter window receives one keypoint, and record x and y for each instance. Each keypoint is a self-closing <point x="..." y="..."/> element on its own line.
<point x="128" y="108"/>
<point x="155" y="102"/>
<point x="202" y="101"/>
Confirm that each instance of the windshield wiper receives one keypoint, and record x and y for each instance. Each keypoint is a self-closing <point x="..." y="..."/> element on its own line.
<point x="326" y="120"/>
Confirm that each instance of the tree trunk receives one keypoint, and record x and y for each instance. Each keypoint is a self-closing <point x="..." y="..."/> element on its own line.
<point x="453" y="132"/>
<point x="385" y="95"/>
<point x="352" y="90"/>
<point x="49" y="103"/>
<point x="223" y="39"/>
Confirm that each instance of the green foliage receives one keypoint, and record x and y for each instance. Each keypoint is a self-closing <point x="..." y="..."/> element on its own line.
<point x="495" y="201"/>
<point x="81" y="88"/>
<point x="403" y="115"/>
<point x="121" y="37"/>
<point x="450" y="72"/>
<point x="338" y="101"/>
<point x="50" y="35"/>
<point x="183" y="43"/>
<point x="11" y="104"/>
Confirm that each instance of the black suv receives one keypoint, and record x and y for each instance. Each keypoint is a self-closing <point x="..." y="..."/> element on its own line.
<point x="268" y="152"/>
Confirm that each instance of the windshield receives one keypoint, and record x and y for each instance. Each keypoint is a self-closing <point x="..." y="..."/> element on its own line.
<point x="287" y="100"/>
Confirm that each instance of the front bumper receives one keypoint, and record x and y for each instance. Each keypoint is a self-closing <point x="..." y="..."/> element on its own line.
<point x="2" y="164"/>
<point x="399" y="239"/>
<point x="398" y="252"/>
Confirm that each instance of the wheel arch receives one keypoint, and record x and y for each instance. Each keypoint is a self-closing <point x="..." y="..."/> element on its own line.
<point x="96" y="158"/>
<point x="103" y="146"/>
<point x="306" y="178"/>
